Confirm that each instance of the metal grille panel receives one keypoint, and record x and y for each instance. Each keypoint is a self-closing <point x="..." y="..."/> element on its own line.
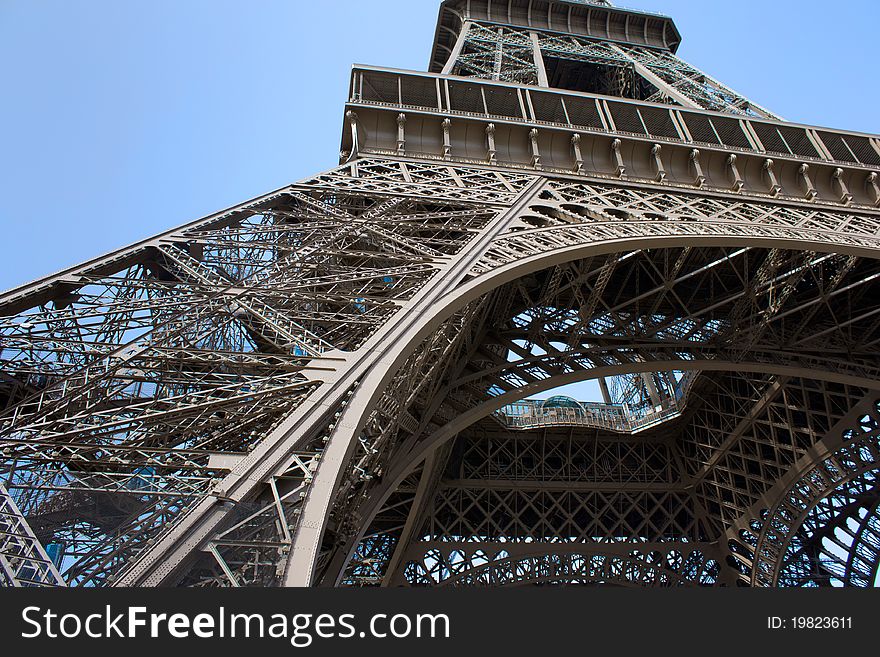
<point x="548" y="107"/>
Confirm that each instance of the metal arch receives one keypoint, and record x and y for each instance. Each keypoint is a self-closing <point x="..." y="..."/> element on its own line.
<point x="300" y="572"/>
<point x="806" y="370"/>
<point x="195" y="273"/>
<point x="290" y="345"/>
<point x="766" y="531"/>
<point x="429" y="444"/>
<point x="835" y="437"/>
<point x="861" y="459"/>
<point x="530" y="255"/>
<point x="342" y="441"/>
<point x="837" y="541"/>
<point x="863" y="562"/>
<point x="487" y="549"/>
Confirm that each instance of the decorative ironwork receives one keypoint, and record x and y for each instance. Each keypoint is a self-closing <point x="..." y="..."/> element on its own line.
<point x="336" y="383"/>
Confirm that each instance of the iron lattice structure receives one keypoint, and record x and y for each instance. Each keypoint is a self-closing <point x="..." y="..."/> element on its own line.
<point x="333" y="384"/>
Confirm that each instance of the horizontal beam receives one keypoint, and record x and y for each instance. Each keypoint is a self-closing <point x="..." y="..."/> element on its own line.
<point x="399" y="113"/>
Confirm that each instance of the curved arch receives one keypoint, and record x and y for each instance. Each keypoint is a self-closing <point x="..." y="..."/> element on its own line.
<point x="729" y="235"/>
<point x="862" y="549"/>
<point x="490" y="406"/>
<point x="844" y="466"/>
<point x="837" y="541"/>
<point x="848" y="456"/>
<point x="449" y="431"/>
<point x="582" y="242"/>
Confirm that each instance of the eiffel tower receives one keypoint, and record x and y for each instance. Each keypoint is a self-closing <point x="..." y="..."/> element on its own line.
<point x="350" y="380"/>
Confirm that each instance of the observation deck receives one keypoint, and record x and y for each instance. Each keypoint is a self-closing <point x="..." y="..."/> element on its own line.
<point x="562" y="411"/>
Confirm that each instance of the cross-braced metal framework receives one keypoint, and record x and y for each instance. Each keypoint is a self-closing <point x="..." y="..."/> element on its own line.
<point x="334" y="384"/>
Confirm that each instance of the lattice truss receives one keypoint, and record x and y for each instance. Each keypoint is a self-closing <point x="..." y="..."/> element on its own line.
<point x="571" y="214"/>
<point x="135" y="385"/>
<point x="131" y="386"/>
<point x="507" y="53"/>
<point x="824" y="528"/>
<point x="23" y="560"/>
<point x="166" y="412"/>
<point x="498" y="53"/>
<point x="600" y="67"/>
<point x="787" y="343"/>
<point x="707" y="92"/>
<point x="823" y="531"/>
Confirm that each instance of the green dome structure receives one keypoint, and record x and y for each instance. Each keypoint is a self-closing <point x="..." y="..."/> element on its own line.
<point x="561" y="401"/>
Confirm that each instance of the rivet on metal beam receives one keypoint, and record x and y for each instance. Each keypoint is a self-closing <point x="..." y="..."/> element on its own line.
<point x="578" y="156"/>
<point x="806" y="183"/>
<point x="775" y="188"/>
<point x="699" y="177"/>
<point x="659" y="169"/>
<point x="618" y="158"/>
<point x="733" y="173"/>
<point x="845" y="197"/>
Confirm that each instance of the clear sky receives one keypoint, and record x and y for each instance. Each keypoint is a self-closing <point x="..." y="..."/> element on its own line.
<point x="123" y="118"/>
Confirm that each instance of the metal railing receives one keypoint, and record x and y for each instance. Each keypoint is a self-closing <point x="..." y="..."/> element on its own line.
<point x="623" y="418"/>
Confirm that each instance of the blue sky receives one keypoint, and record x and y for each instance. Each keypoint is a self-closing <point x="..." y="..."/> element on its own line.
<point x="124" y="118"/>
